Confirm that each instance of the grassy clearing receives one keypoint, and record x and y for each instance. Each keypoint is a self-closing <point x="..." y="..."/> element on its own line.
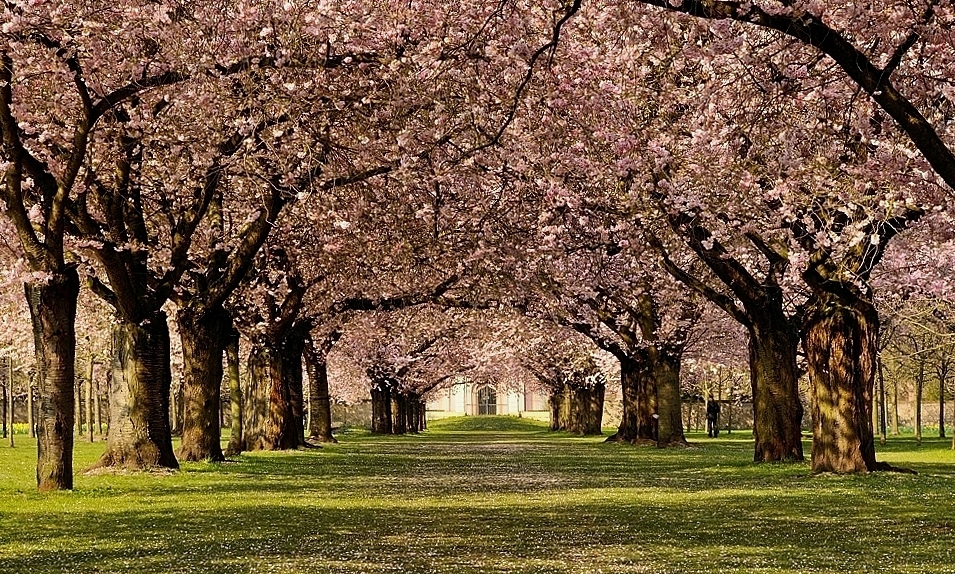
<point x="485" y="495"/>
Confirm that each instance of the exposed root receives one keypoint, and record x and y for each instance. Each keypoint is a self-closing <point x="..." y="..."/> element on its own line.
<point x="144" y="459"/>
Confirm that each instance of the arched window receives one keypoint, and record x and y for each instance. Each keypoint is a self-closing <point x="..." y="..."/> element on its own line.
<point x="487" y="401"/>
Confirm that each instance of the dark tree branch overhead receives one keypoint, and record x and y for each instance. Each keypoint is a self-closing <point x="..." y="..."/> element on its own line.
<point x="876" y="82"/>
<point x="724" y="302"/>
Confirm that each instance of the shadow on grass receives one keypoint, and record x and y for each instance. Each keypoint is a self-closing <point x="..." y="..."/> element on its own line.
<point x="556" y="530"/>
<point x="496" y="423"/>
<point x="520" y="502"/>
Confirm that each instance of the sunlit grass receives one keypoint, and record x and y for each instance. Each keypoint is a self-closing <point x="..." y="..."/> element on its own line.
<point x="486" y="494"/>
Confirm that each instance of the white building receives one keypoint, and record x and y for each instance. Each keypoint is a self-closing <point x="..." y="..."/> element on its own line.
<point x="468" y="398"/>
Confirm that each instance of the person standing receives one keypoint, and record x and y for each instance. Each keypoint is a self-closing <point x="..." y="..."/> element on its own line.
<point x="712" y="417"/>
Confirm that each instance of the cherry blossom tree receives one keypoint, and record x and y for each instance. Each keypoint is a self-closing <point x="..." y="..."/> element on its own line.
<point x="563" y="363"/>
<point x="61" y="75"/>
<point x="840" y="313"/>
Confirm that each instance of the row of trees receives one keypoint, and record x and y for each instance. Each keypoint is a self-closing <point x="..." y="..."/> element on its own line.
<point x="264" y="170"/>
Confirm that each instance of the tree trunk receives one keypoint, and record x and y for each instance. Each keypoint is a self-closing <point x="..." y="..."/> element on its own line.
<point x="53" y="313"/>
<point x="919" y="388"/>
<point x="840" y="342"/>
<point x="587" y="407"/>
<point x="319" y="402"/>
<point x="666" y="375"/>
<point x="175" y="408"/>
<point x="78" y="407"/>
<point x="560" y="406"/>
<point x="883" y="412"/>
<point x="11" y="406"/>
<point x="139" y="436"/>
<point x="415" y="413"/>
<point x="566" y="407"/>
<point x="777" y="409"/>
<point x="941" y="407"/>
<point x="89" y="401"/>
<point x="31" y="408"/>
<point x="292" y="348"/>
<point x="3" y="406"/>
<point x="204" y="335"/>
<point x="268" y="422"/>
<point x="630" y="427"/>
<point x="399" y="409"/>
<point x="380" y="408"/>
<point x="555" y="403"/>
<point x="895" y="408"/>
<point x="647" y="399"/>
<point x="235" y="394"/>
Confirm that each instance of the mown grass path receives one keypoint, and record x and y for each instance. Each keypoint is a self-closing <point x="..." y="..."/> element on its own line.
<point x="485" y="495"/>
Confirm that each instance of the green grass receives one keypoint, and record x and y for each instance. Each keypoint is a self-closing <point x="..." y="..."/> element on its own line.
<point x="485" y="495"/>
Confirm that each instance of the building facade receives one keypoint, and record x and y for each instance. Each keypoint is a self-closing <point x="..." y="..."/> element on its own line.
<point x="467" y="398"/>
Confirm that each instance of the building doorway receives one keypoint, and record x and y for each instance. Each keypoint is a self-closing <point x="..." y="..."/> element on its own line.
<point x="487" y="401"/>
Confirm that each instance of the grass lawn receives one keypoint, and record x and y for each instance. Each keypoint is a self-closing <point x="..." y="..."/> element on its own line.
<point x="484" y="494"/>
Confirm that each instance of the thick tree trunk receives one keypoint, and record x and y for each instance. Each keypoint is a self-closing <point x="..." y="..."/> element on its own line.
<point x="204" y="333"/>
<point x="292" y="348"/>
<point x="139" y="435"/>
<point x="380" y="408"/>
<point x="235" y="394"/>
<point x="555" y="402"/>
<point x="268" y="422"/>
<point x="840" y="342"/>
<point x="399" y="410"/>
<point x="647" y="398"/>
<point x="630" y="427"/>
<point x="666" y="371"/>
<point x="561" y="408"/>
<point x="777" y="409"/>
<point x="587" y="410"/>
<point x="415" y="413"/>
<point x="319" y="402"/>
